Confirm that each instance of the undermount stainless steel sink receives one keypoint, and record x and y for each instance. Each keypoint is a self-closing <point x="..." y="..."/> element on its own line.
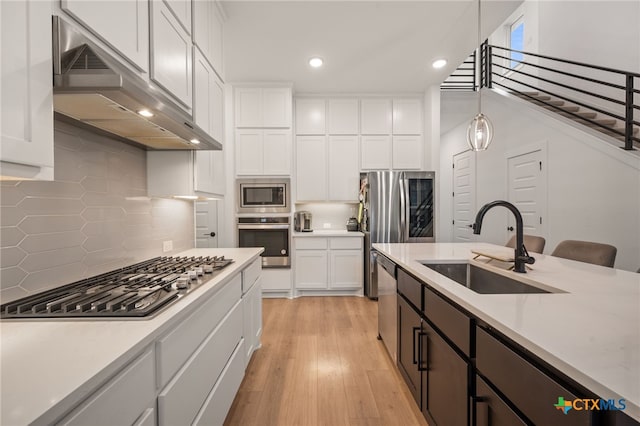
<point x="483" y="281"/>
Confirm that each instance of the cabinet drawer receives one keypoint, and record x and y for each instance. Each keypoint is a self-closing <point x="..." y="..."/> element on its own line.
<point x="250" y="274"/>
<point x="219" y="401"/>
<point x="410" y="288"/>
<point x="122" y="400"/>
<point x="491" y="409"/>
<point x="311" y="243"/>
<point x="453" y="323"/>
<point x="534" y="393"/>
<point x="346" y="243"/>
<point x="182" y="399"/>
<point x="175" y="347"/>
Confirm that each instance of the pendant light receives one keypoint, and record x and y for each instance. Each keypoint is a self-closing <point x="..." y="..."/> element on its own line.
<point x="480" y="131"/>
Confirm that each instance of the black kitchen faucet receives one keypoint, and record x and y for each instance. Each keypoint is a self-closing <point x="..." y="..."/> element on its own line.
<point x="521" y="256"/>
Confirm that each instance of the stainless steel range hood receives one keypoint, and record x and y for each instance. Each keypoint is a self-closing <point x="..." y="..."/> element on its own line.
<point x="93" y="88"/>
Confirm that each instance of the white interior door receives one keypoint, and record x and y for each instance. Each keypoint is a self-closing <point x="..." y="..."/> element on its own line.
<point x="528" y="191"/>
<point x="206" y="224"/>
<point x="464" y="196"/>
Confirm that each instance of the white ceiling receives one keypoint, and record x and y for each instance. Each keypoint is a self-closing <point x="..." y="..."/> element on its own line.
<point x="368" y="46"/>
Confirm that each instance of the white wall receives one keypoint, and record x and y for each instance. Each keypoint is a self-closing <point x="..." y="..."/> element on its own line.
<point x="593" y="187"/>
<point x="329" y="215"/>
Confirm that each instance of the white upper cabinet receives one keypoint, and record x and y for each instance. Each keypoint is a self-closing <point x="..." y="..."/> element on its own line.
<point x="311" y="168"/>
<point x="407" y="153"/>
<point x="407" y="117"/>
<point x="208" y="98"/>
<point x="375" y="116"/>
<point x="343" y="117"/>
<point x="171" y="53"/>
<point x="209" y="172"/>
<point x="343" y="173"/>
<point x="263" y="107"/>
<point x="185" y="173"/>
<point x="182" y="10"/>
<point x="375" y="152"/>
<point x="208" y="31"/>
<point x="310" y="116"/>
<point x="129" y="37"/>
<point x="263" y="152"/>
<point x="26" y="118"/>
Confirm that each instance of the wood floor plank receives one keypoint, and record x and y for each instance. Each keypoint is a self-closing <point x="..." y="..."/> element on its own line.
<point x="321" y="364"/>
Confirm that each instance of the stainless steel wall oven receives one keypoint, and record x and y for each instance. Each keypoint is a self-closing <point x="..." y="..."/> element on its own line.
<point x="272" y="233"/>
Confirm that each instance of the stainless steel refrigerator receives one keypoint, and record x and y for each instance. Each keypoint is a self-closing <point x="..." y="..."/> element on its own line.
<point x="398" y="208"/>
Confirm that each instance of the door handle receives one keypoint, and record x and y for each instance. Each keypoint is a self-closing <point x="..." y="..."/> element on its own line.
<point x="420" y="357"/>
<point x="211" y="234"/>
<point x="510" y="228"/>
<point x="414" y="344"/>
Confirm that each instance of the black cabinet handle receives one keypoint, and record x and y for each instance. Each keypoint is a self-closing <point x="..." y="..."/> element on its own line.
<point x="414" y="344"/>
<point x="212" y="234"/>
<point x="480" y="407"/>
<point x="510" y="228"/>
<point x="423" y="362"/>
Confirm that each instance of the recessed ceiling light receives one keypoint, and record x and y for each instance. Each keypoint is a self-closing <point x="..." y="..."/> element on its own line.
<point x="145" y="113"/>
<point x="439" y="63"/>
<point x="316" y="62"/>
<point x="194" y="141"/>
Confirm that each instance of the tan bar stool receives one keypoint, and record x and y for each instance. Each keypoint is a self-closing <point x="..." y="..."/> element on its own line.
<point x="531" y="242"/>
<point x="586" y="251"/>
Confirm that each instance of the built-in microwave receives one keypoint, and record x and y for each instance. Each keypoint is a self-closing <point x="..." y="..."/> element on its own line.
<point x="266" y="195"/>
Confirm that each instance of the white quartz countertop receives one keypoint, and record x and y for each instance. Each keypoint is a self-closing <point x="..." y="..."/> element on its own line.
<point x="590" y="331"/>
<point x="328" y="233"/>
<point x="49" y="366"/>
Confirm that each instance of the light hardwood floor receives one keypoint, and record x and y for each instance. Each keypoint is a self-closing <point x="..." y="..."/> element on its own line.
<point x="321" y="364"/>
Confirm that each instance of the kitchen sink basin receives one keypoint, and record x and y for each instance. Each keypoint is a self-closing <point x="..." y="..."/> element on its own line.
<point x="483" y="281"/>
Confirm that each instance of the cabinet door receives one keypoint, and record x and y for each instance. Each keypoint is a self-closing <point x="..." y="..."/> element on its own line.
<point x="310" y="117"/>
<point x="346" y="269"/>
<point x="130" y="36"/>
<point x="249" y="152"/>
<point x="256" y="307"/>
<point x="123" y="400"/>
<point x="344" y="172"/>
<point x="407" y="152"/>
<point x="204" y="179"/>
<point x="409" y="329"/>
<point x="182" y="11"/>
<point x="208" y="97"/>
<point x="343" y="117"/>
<point x="375" y="152"/>
<point x="248" y="107"/>
<point x="311" y="168"/>
<point x="311" y="270"/>
<point x="27" y="97"/>
<point x="277" y="152"/>
<point x="276" y="107"/>
<point x="207" y="31"/>
<point x="491" y="409"/>
<point x="375" y="116"/>
<point x="445" y="396"/>
<point x="407" y="117"/>
<point x="171" y="54"/>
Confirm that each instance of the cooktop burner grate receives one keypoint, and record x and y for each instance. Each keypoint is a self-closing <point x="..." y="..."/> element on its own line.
<point x="133" y="291"/>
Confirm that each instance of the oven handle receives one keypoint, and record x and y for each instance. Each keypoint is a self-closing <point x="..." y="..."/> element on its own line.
<point x="264" y="226"/>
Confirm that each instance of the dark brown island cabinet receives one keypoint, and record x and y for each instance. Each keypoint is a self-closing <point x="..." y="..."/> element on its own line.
<point x="462" y="372"/>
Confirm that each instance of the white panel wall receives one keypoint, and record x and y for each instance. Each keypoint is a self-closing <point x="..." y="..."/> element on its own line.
<point x="593" y="187"/>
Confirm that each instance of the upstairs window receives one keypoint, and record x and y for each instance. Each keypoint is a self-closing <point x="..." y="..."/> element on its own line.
<point x="516" y="41"/>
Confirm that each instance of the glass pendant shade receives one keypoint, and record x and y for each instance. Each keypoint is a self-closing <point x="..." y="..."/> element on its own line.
<point x="479" y="133"/>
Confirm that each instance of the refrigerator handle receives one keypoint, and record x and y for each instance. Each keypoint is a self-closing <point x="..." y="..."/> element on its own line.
<point x="403" y="206"/>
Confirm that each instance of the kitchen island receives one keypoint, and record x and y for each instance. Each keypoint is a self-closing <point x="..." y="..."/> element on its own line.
<point x="52" y="369"/>
<point x="588" y="328"/>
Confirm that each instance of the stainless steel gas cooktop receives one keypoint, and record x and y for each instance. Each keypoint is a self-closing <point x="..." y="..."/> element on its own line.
<point x="134" y="291"/>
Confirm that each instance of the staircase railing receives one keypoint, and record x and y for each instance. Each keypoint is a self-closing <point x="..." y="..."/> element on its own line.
<point x="611" y="92"/>
<point x="464" y="78"/>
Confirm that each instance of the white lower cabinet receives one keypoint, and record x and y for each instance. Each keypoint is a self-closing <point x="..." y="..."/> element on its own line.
<point x="180" y="401"/>
<point x="328" y="263"/>
<point x="124" y="400"/>
<point x="252" y="308"/>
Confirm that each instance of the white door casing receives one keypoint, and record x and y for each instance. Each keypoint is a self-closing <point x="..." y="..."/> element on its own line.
<point x="464" y="196"/>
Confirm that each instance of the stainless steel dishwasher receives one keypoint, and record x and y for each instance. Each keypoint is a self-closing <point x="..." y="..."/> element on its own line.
<point x="387" y="305"/>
